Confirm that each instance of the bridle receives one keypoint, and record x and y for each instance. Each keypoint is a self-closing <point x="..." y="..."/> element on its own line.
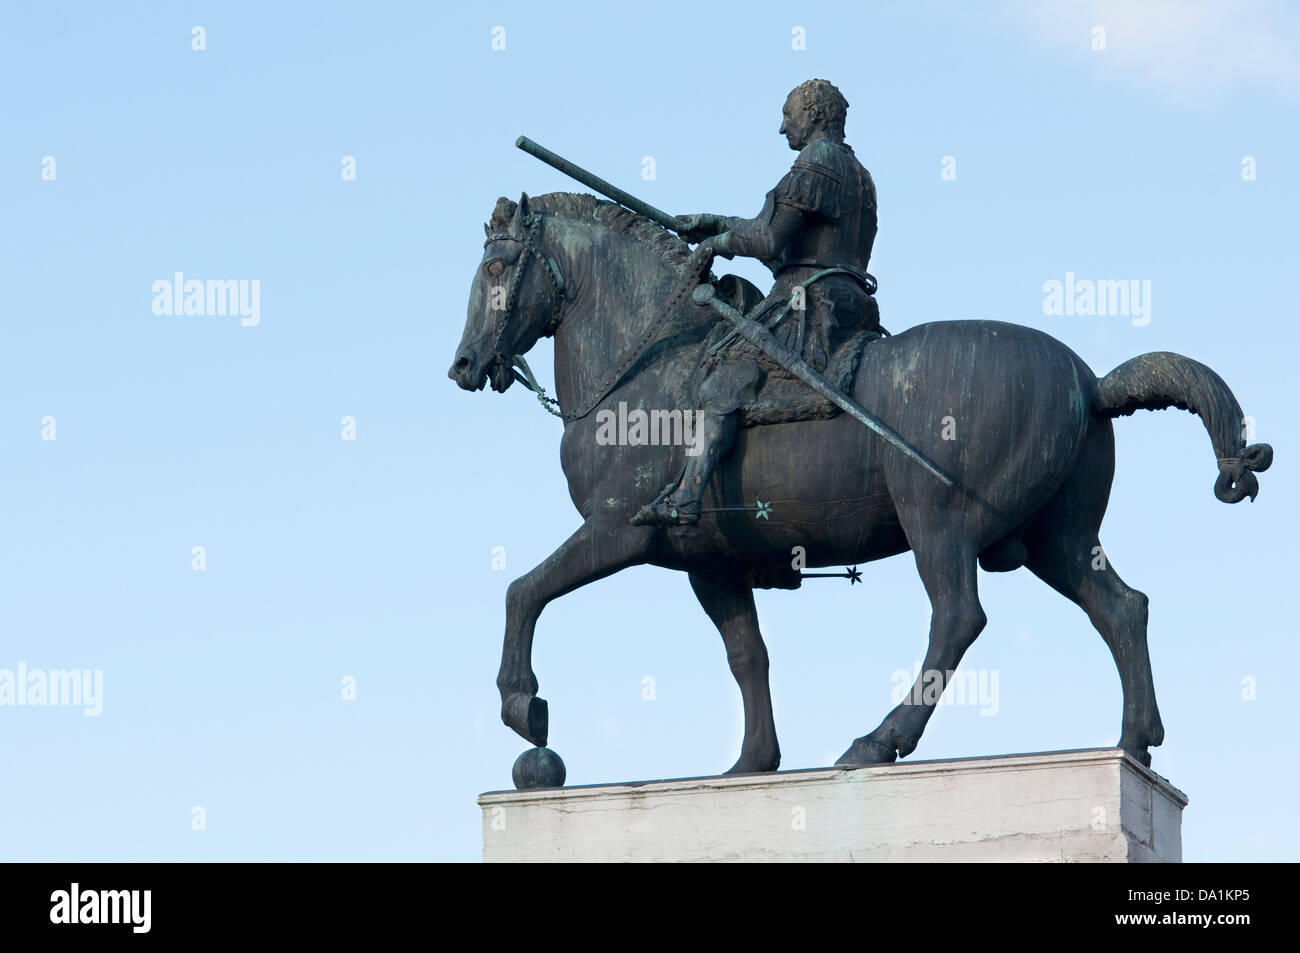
<point x="519" y="367"/>
<point x="529" y="239"/>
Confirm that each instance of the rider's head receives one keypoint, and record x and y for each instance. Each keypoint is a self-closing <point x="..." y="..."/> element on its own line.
<point x="812" y="107"/>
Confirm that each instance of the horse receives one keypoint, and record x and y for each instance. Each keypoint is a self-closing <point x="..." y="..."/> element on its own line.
<point x="1018" y="421"/>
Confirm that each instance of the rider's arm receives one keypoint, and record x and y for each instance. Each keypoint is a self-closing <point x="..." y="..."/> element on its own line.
<point x="755" y="238"/>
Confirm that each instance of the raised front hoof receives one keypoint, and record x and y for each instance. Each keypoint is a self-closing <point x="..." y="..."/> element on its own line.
<point x="866" y="751"/>
<point x="538" y="768"/>
<point x="527" y="716"/>
<point x="756" y="764"/>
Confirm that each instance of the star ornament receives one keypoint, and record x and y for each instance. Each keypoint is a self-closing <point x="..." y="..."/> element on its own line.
<point x="764" y="510"/>
<point x="854" y="574"/>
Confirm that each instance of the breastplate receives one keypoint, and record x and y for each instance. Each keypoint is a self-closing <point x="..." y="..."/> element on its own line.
<point x="845" y="242"/>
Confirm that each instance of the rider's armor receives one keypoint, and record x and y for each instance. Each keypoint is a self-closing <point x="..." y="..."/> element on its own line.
<point x="829" y="185"/>
<point x="837" y="199"/>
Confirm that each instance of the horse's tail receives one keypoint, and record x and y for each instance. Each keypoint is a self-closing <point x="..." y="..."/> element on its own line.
<point x="1159" y="380"/>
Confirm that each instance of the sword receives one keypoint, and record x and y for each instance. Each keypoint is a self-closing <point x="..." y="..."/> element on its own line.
<point x="763" y="339"/>
<point x="625" y="199"/>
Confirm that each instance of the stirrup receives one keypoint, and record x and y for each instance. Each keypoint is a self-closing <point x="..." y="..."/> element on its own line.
<point x="665" y="512"/>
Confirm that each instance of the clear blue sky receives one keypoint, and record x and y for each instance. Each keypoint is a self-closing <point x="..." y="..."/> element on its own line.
<point x="371" y="558"/>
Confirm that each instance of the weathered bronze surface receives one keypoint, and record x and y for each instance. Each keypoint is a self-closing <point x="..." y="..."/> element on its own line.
<point x="1029" y="452"/>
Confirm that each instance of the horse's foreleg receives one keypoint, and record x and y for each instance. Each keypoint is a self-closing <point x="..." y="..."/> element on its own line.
<point x="729" y="601"/>
<point x="596" y="550"/>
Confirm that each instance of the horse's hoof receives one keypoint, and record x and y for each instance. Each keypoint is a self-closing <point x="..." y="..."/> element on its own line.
<point x="867" y="751"/>
<point x="1138" y="753"/>
<point x="538" y="768"/>
<point x="527" y="716"/>
<point x="761" y="764"/>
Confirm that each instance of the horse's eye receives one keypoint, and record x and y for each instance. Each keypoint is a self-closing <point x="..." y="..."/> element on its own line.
<point x="494" y="268"/>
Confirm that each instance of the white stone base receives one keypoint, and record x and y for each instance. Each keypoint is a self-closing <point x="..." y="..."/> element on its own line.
<point x="1095" y="805"/>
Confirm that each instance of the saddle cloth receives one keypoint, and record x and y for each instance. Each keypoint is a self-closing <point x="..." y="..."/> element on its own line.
<point x="780" y="396"/>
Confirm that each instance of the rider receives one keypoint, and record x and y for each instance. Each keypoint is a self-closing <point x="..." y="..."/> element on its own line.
<point x="822" y="214"/>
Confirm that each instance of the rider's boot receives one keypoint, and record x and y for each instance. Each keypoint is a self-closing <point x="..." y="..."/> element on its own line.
<point x="679" y="502"/>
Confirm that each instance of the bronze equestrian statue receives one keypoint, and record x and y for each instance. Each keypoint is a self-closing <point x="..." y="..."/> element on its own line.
<point x="1017" y="424"/>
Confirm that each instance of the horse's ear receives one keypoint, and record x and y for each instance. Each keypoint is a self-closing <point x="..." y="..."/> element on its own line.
<point x="523" y="211"/>
<point x="487" y="230"/>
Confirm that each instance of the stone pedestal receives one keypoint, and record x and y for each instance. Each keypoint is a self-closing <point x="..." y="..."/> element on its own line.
<point x="1095" y="805"/>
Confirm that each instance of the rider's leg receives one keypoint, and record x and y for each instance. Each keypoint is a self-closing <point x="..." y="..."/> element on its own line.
<point x="724" y="391"/>
<point x="714" y="435"/>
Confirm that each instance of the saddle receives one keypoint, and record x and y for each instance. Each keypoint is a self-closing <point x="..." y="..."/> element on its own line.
<point x="780" y="396"/>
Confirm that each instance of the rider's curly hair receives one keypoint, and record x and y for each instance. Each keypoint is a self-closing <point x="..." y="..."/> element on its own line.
<point x="826" y="103"/>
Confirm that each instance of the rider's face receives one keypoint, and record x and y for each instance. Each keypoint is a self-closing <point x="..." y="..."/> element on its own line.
<point x="796" y="124"/>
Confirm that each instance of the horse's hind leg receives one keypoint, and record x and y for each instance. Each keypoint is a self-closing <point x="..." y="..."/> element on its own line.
<point x="1065" y="553"/>
<point x="593" y="552"/>
<point x="947" y="567"/>
<point x="729" y="601"/>
<point x="1071" y="561"/>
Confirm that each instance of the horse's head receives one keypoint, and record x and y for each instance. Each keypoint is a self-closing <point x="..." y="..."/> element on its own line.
<point x="516" y="298"/>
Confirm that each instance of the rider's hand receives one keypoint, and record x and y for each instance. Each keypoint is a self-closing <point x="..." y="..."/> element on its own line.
<point x="718" y="245"/>
<point x="698" y="227"/>
<point x="703" y="254"/>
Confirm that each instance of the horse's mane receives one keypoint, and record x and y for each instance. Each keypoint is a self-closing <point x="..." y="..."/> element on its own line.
<point x="581" y="207"/>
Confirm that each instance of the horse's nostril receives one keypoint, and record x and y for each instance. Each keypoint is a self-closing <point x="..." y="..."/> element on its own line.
<point x="460" y="367"/>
